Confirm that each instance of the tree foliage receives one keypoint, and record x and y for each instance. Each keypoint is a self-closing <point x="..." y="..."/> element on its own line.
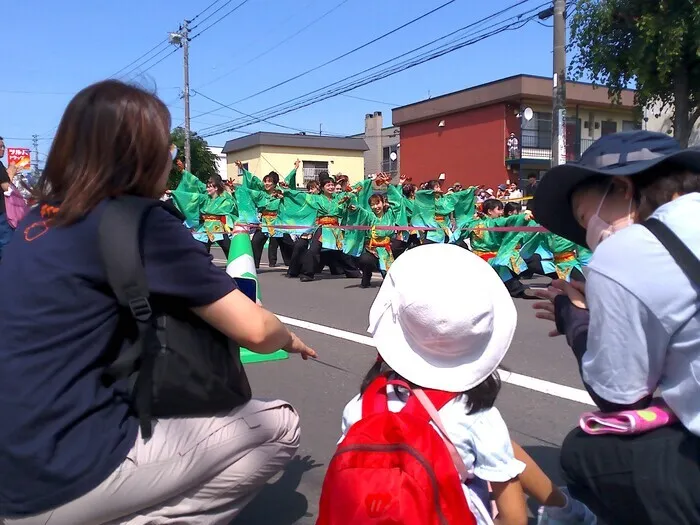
<point x="654" y="44"/>
<point x="204" y="162"/>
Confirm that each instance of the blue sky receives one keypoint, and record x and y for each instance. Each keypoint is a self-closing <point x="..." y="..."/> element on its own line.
<point x="57" y="48"/>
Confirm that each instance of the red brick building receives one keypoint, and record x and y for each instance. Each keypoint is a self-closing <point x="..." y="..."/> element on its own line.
<point x="463" y="135"/>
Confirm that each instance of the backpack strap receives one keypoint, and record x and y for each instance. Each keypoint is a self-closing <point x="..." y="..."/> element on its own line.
<point x="374" y="398"/>
<point x="424" y="399"/>
<point x="120" y="250"/>
<point x="683" y="256"/>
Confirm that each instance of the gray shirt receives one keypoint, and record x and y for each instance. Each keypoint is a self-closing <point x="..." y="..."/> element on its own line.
<point x="644" y="331"/>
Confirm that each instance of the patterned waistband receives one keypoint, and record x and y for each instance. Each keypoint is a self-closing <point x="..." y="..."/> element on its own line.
<point x="381" y="242"/>
<point x="328" y="221"/>
<point x="440" y="218"/>
<point x="487" y="256"/>
<point x="564" y="257"/>
<point x="219" y="218"/>
<point x="269" y="214"/>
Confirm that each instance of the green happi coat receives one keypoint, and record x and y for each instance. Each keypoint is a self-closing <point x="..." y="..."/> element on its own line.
<point x="376" y="242"/>
<point x="500" y="249"/>
<point x="563" y="254"/>
<point x="316" y="211"/>
<point x="208" y="218"/>
<point x="433" y="210"/>
<point x="268" y="205"/>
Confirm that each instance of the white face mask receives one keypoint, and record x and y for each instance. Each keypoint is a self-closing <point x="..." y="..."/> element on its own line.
<point x="597" y="230"/>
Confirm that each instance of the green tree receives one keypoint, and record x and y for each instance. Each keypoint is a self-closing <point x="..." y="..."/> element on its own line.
<point x="202" y="159"/>
<point x="653" y="44"/>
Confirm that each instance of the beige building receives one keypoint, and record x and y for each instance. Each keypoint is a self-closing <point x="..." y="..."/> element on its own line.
<point x="264" y="152"/>
<point x="383" y="153"/>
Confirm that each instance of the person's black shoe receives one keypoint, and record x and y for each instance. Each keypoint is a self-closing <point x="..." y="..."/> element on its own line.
<point x="272" y="265"/>
<point x="353" y="274"/>
<point x="365" y="285"/>
<point x="306" y="279"/>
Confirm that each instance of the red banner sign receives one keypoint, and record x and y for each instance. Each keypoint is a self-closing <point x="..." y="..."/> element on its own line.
<point x="20" y="157"/>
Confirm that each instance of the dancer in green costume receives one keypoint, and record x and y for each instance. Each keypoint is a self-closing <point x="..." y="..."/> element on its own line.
<point x="328" y="209"/>
<point x="210" y="211"/>
<point x="266" y="195"/>
<point x="559" y="257"/>
<point x="446" y="213"/>
<point x="500" y="249"/>
<point x="376" y="251"/>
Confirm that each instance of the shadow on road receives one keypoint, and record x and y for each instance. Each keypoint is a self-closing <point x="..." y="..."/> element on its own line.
<point x="279" y="503"/>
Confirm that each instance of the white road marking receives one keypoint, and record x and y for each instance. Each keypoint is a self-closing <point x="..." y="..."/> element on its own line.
<point x="513" y="378"/>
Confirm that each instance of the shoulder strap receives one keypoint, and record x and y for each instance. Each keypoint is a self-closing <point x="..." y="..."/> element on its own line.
<point x="683" y="256"/>
<point x="120" y="249"/>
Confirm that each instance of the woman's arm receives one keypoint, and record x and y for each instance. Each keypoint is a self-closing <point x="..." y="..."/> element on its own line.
<point x="250" y="325"/>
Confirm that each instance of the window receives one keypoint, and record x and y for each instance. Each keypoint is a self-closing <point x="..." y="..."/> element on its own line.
<point x="537" y="132"/>
<point x="241" y="169"/>
<point x="630" y="125"/>
<point x="608" y="127"/>
<point x="388" y="165"/>
<point x="312" y="168"/>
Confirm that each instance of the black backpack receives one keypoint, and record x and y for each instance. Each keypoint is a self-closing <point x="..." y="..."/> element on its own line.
<point x="177" y="365"/>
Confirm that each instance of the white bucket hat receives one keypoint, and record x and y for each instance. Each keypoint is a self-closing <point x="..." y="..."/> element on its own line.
<point x="442" y="318"/>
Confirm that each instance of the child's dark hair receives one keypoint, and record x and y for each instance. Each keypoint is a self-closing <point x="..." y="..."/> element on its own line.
<point x="376" y="197"/>
<point x="511" y="208"/>
<point x="481" y="397"/>
<point x="491" y="204"/>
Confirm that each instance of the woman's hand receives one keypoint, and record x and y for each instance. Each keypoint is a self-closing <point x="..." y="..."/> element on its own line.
<point x="297" y="346"/>
<point x="575" y="291"/>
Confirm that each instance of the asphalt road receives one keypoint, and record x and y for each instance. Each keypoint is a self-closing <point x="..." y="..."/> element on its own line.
<point x="539" y="412"/>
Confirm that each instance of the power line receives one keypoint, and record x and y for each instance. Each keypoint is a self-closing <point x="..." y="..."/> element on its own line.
<point x="383" y="72"/>
<point x="244" y="2"/>
<point x="154" y="64"/>
<point x="371" y="100"/>
<point x="358" y="48"/>
<point x="299" y="102"/>
<point x="277" y="45"/>
<point x="159" y="44"/>
<point x="203" y="11"/>
<point x="301" y="130"/>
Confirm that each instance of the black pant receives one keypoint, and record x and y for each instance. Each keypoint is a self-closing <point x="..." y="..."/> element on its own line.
<point x="297" y="258"/>
<point x="224" y="244"/>
<point x="285" y="245"/>
<point x="648" y="479"/>
<point x="368" y="264"/>
<point x="534" y="266"/>
<point x="311" y="261"/>
<point x="398" y="247"/>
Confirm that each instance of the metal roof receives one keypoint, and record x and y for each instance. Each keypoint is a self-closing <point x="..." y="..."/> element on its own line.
<point x="288" y="140"/>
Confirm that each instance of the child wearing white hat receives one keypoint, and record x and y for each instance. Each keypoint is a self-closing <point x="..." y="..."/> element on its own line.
<point x="452" y="339"/>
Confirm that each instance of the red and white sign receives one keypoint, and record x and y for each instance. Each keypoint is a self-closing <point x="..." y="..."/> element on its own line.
<point x="21" y="157"/>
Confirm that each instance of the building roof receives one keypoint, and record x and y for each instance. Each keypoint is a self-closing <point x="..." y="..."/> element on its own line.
<point x="511" y="89"/>
<point x="288" y="140"/>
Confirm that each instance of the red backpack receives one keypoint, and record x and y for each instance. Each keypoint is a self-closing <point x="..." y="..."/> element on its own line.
<point x="395" y="468"/>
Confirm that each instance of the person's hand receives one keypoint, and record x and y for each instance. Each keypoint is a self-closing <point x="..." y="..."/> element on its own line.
<point x="575" y="291"/>
<point x="297" y="346"/>
<point x="372" y="176"/>
<point x="239" y="164"/>
<point x="168" y="192"/>
<point x="402" y="179"/>
<point x="12" y="171"/>
<point x="297" y="163"/>
<point x="528" y="215"/>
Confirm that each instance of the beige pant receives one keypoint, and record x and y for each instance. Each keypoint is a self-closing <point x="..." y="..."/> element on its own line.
<point x="195" y="471"/>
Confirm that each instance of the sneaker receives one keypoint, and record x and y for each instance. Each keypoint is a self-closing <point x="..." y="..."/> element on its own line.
<point x="579" y="514"/>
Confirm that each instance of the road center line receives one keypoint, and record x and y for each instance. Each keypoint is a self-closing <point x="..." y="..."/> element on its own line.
<point x="513" y="378"/>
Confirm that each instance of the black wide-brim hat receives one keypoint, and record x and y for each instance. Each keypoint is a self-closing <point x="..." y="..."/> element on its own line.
<point x="619" y="154"/>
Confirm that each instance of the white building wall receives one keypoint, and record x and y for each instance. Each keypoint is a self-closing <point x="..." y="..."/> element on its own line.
<point x="220" y="160"/>
<point x="664" y="123"/>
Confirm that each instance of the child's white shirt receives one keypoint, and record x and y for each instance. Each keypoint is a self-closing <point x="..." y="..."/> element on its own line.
<point x="482" y="440"/>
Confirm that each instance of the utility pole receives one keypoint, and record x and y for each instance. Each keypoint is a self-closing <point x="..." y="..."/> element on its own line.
<point x="35" y="143"/>
<point x="181" y="38"/>
<point x="559" y="85"/>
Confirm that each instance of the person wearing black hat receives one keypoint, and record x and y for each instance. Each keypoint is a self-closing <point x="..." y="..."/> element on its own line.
<point x="634" y="328"/>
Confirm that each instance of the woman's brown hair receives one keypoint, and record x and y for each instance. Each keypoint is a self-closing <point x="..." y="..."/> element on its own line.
<point x="113" y="140"/>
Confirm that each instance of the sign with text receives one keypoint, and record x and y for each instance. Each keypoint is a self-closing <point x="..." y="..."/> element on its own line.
<point x="21" y="157"/>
